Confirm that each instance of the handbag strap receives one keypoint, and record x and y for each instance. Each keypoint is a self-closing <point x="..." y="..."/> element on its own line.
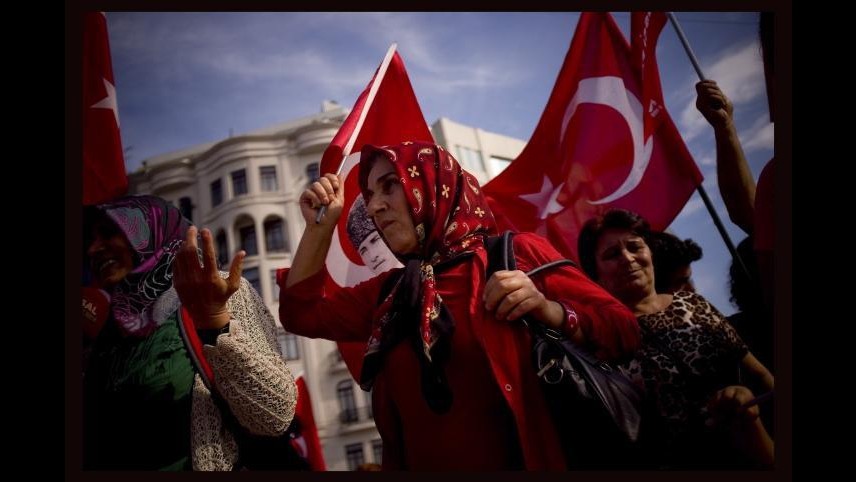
<point x="500" y="255"/>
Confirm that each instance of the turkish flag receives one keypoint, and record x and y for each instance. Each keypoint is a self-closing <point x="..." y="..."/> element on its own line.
<point x="304" y="439"/>
<point x="393" y="116"/>
<point x="592" y="149"/>
<point x="645" y="28"/>
<point x="104" y="176"/>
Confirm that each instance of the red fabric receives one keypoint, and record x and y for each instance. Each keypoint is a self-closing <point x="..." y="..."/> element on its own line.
<point x="478" y="404"/>
<point x="588" y="152"/>
<point x="196" y="343"/>
<point x="310" y="446"/>
<point x="645" y="28"/>
<point x="346" y="314"/>
<point x="96" y="309"/>
<point x="449" y="213"/>
<point x="104" y="176"/>
<point x="449" y="209"/>
<point x="394" y="116"/>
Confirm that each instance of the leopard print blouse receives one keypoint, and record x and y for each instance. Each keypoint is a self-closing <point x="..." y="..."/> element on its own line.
<point x="688" y="352"/>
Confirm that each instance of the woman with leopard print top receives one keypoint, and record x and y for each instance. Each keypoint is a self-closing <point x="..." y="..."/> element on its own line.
<point x="690" y="359"/>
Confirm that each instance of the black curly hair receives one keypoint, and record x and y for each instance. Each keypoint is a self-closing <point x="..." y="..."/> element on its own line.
<point x="745" y="290"/>
<point x="670" y="254"/>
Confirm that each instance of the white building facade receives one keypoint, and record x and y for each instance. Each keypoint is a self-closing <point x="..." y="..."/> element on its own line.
<point x="245" y="189"/>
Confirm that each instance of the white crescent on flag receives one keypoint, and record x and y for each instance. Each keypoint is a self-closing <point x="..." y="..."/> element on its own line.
<point x="611" y="92"/>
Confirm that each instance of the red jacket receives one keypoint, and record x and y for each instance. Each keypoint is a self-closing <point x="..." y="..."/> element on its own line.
<point x="346" y="315"/>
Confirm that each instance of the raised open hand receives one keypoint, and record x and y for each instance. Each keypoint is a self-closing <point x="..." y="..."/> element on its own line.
<point x="198" y="282"/>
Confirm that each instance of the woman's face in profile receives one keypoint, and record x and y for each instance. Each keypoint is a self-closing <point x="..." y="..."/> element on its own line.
<point x="110" y="255"/>
<point x="387" y="205"/>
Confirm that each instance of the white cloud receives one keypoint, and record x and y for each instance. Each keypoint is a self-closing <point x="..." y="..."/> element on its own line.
<point x="308" y="66"/>
<point x="713" y="286"/>
<point x="760" y="135"/>
<point x="427" y="50"/>
<point x="690" y="208"/>
<point x="707" y="160"/>
<point x="739" y="73"/>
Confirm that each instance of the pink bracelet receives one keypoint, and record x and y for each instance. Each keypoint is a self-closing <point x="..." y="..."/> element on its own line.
<point x="571" y="322"/>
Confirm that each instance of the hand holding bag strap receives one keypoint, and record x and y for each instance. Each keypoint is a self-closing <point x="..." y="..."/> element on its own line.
<point x="557" y="357"/>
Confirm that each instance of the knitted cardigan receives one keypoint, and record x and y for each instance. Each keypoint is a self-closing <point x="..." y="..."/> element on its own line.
<point x="251" y="375"/>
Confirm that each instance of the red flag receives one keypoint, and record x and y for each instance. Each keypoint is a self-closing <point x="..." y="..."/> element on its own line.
<point x="305" y="437"/>
<point x="645" y="28"/>
<point x="590" y="151"/>
<point x="104" y="176"/>
<point x="393" y="116"/>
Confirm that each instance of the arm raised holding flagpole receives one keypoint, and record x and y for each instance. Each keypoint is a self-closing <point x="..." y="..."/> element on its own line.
<point x="326" y="192"/>
<point x="326" y="195"/>
<point x="732" y="169"/>
<point x="372" y="92"/>
<point x="728" y="149"/>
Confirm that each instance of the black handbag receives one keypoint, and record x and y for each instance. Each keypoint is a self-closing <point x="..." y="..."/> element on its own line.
<point x="598" y="411"/>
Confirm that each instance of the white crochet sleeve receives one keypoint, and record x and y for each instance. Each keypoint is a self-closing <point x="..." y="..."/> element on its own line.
<point x="249" y="371"/>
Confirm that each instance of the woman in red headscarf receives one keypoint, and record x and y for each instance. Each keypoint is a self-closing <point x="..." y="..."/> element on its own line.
<point x="451" y="378"/>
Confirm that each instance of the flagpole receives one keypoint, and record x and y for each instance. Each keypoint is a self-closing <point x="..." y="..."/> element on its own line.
<point x="372" y="92"/>
<point x="708" y="204"/>
<point x="686" y="45"/>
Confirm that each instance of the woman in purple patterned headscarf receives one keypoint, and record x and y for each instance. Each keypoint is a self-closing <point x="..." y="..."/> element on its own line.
<point x="136" y="265"/>
<point x="145" y="407"/>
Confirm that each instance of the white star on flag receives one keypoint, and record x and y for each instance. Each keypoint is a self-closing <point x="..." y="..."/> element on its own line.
<point x="109" y="102"/>
<point x="545" y="200"/>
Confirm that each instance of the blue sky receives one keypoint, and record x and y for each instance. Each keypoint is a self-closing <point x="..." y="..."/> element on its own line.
<point x="184" y="79"/>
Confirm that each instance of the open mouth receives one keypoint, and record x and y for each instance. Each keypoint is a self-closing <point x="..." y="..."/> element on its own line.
<point x="103" y="265"/>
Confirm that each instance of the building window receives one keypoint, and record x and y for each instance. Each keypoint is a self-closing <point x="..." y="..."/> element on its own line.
<point x="239" y="182"/>
<point x="252" y="275"/>
<point x="248" y="240"/>
<point x="288" y="344"/>
<point x="377" y="451"/>
<point x="222" y="249"/>
<point x="185" y="205"/>
<point x="216" y="193"/>
<point x="268" y="176"/>
<point x="470" y="159"/>
<point x="497" y="164"/>
<point x="354" y="454"/>
<point x="313" y="172"/>
<point x="347" y="402"/>
<point x="275" y="240"/>
<point x="274" y="288"/>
